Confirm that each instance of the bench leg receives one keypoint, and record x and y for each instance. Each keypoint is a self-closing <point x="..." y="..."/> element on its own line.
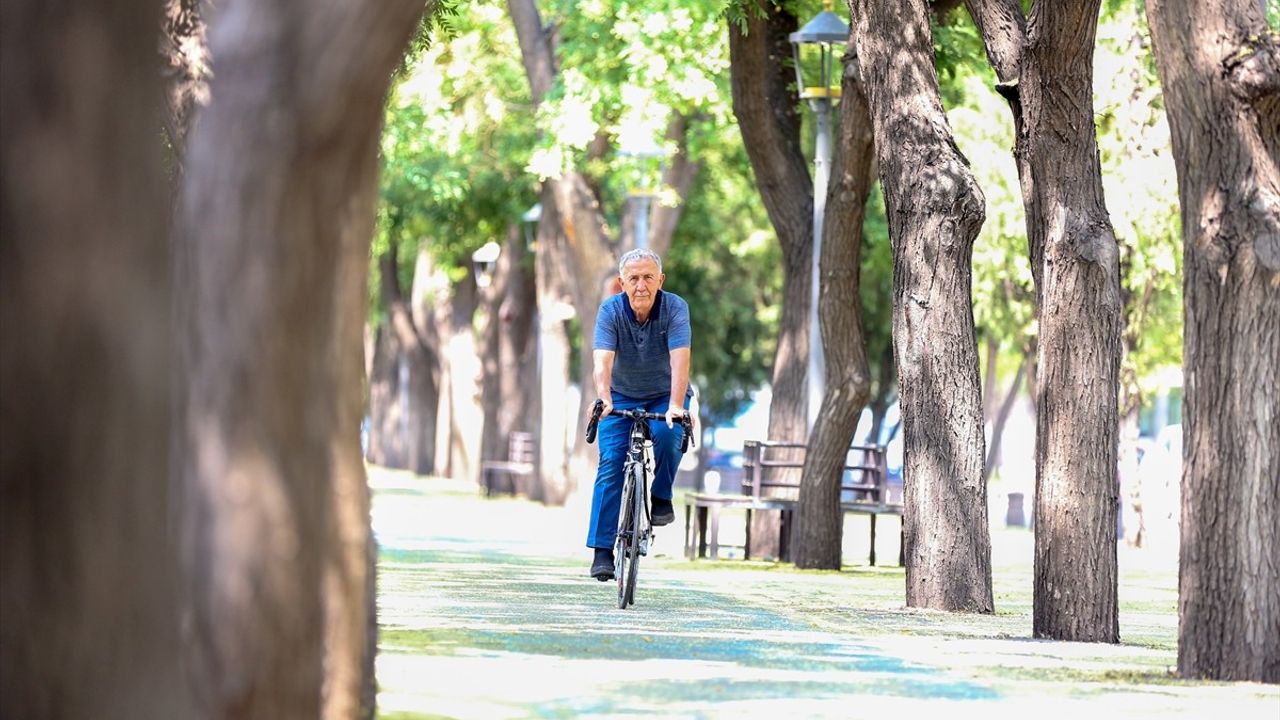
<point x="873" y="539"/>
<point x="746" y="549"/>
<point x="688" y="537"/>
<point x="784" y="535"/>
<point x="701" y="524"/>
<point x="902" y="544"/>
<point x="715" y="532"/>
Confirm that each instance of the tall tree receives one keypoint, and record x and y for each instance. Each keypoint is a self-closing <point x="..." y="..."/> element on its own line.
<point x="89" y="600"/>
<point x="1219" y="65"/>
<point x="1045" y="66"/>
<point x="935" y="210"/>
<point x="816" y="539"/>
<point x="768" y="112"/>
<point x="275" y="227"/>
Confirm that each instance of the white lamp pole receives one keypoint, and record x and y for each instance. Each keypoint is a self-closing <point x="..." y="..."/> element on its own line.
<point x="821" y="34"/>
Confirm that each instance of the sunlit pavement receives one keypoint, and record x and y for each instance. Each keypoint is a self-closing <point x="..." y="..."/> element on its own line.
<point x="486" y="612"/>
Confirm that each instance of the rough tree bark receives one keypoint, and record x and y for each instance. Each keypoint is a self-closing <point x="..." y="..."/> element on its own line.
<point x="816" y="538"/>
<point x="276" y="214"/>
<point x="184" y="47"/>
<point x="1219" y="66"/>
<point x="767" y="108"/>
<point x="89" y="600"/>
<point x="1045" y="66"/>
<point x="935" y="210"/>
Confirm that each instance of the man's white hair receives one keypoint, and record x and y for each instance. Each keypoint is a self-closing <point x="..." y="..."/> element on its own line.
<point x="639" y="254"/>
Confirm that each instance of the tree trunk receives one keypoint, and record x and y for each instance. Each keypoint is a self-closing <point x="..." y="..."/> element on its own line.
<point x="999" y="421"/>
<point x="404" y="388"/>
<point x="1220" y="69"/>
<point x="935" y="210"/>
<point x="460" y="414"/>
<point x="767" y="108"/>
<point x="580" y="246"/>
<point x="89" y="601"/>
<point x="553" y="364"/>
<point x="276" y="216"/>
<point x="492" y="437"/>
<point x="520" y="406"/>
<point x="819" y="519"/>
<point x="350" y="639"/>
<point x="1046" y="71"/>
<point x="882" y="393"/>
<point x="184" y="48"/>
<point x="989" y="384"/>
<point x="679" y="176"/>
<point x="1079" y="307"/>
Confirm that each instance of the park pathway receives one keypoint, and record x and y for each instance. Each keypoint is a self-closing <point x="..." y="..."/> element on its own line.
<point x="486" y="612"/>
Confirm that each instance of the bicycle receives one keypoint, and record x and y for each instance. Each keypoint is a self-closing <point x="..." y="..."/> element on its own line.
<point x="635" y="526"/>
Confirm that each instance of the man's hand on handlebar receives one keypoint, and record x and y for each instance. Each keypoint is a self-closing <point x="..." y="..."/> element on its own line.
<point x="674" y="415"/>
<point x="606" y="406"/>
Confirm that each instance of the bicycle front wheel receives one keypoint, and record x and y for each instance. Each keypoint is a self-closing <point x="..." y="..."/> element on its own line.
<point x="636" y="513"/>
<point x="624" y="542"/>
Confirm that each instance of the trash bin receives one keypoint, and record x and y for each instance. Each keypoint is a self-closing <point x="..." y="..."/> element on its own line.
<point x="1014" y="516"/>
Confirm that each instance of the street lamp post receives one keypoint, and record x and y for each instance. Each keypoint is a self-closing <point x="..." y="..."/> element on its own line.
<point x="818" y="37"/>
<point x="646" y="161"/>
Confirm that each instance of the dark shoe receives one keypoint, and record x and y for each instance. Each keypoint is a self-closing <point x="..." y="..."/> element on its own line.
<point x="602" y="566"/>
<point x="663" y="513"/>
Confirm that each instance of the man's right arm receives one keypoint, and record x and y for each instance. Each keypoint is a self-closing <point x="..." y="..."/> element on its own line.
<point x="604" y="377"/>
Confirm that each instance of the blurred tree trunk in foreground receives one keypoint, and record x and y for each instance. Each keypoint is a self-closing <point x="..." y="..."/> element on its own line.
<point x="935" y="210"/>
<point x="274" y="237"/>
<point x="816" y="538"/>
<point x="89" y="597"/>
<point x="1219" y="65"/>
<point x="767" y="108"/>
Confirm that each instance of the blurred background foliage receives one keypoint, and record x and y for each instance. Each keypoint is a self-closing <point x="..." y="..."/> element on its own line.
<point x="464" y="152"/>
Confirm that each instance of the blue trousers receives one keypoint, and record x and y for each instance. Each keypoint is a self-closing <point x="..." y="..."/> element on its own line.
<point x="613" y="436"/>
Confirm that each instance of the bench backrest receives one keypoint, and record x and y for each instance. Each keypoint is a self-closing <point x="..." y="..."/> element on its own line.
<point x="520" y="447"/>
<point x="863" y="479"/>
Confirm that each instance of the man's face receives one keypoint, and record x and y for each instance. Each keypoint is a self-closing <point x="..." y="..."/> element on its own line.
<point x="641" y="282"/>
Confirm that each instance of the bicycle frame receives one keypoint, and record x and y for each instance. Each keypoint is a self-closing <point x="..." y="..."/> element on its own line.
<point x="635" y="522"/>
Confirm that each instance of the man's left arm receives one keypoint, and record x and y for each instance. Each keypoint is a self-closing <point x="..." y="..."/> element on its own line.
<point x="679" y="341"/>
<point x="679" y="383"/>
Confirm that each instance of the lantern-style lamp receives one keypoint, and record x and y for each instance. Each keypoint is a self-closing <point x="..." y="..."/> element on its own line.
<point x="484" y="261"/>
<point x="816" y="77"/>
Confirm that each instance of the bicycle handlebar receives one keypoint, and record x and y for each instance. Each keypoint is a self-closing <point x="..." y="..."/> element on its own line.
<point x="686" y="422"/>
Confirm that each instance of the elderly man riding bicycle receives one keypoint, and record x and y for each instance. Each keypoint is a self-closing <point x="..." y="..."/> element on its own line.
<point x="641" y="351"/>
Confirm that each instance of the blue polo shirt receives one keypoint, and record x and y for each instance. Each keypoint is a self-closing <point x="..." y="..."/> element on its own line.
<point x="642" y="361"/>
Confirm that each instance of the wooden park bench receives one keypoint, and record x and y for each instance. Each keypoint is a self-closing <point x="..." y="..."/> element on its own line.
<point x="510" y="476"/>
<point x="863" y="489"/>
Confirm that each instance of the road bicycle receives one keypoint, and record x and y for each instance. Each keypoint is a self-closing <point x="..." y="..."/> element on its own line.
<point x="635" y="526"/>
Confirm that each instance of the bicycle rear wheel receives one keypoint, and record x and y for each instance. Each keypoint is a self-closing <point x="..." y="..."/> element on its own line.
<point x="624" y="543"/>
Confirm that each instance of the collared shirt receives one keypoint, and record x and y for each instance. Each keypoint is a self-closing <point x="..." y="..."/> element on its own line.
<point x="642" y="360"/>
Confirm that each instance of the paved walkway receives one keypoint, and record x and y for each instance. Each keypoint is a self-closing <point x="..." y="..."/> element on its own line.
<point x="486" y="612"/>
